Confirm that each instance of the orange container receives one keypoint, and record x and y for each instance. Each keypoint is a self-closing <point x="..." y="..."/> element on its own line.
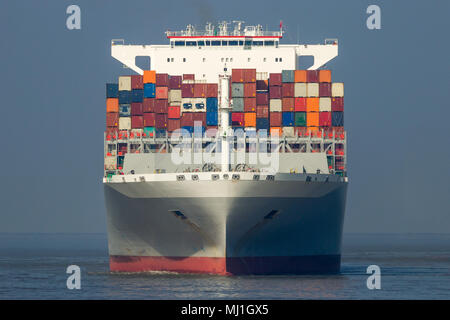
<point x="275" y="131"/>
<point x="161" y="92"/>
<point x="324" y="75"/>
<point x="312" y="104"/>
<point x="112" y="105"/>
<point x="300" y="76"/>
<point x="250" y="119"/>
<point x="149" y="76"/>
<point x="312" y="119"/>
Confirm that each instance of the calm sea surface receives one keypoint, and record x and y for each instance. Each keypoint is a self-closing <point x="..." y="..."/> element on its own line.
<point x="413" y="266"/>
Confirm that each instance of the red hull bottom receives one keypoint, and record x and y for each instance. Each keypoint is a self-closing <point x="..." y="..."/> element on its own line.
<point x="229" y="265"/>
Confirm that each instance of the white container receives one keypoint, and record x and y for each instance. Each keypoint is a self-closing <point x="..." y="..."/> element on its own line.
<point x="324" y="104"/>
<point x="125" y="123"/>
<point x="337" y="89"/>
<point x="312" y="89"/>
<point x="262" y="75"/>
<point x="125" y="83"/>
<point x="174" y="96"/>
<point x="288" y="131"/>
<point x="300" y="89"/>
<point x="187" y="104"/>
<point x="199" y="104"/>
<point x="275" y="105"/>
<point x="110" y="163"/>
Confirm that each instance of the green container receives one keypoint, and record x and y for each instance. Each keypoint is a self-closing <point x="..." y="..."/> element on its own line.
<point x="287" y="75"/>
<point x="149" y="132"/>
<point x="300" y="119"/>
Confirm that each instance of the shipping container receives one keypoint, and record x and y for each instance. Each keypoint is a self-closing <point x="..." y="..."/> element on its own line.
<point x="262" y="76"/>
<point x="250" y="119"/>
<point x="312" y="75"/>
<point x="249" y="75"/>
<point x="262" y="123"/>
<point x="275" y="93"/>
<point x="137" y="82"/>
<point x="174" y="96"/>
<point x="276" y="119"/>
<point x="148" y="105"/>
<point x="337" y="89"/>
<point x="300" y="119"/>
<point x="337" y="104"/>
<point x="262" y="98"/>
<point x="110" y="163"/>
<point x="312" y="104"/>
<point x="188" y="76"/>
<point x="237" y="119"/>
<point x="187" y="119"/>
<point x="149" y="131"/>
<point x="161" y="106"/>
<point x="300" y="76"/>
<point x="312" y="89"/>
<point x="249" y="104"/>
<point x="149" y="120"/>
<point x="287" y="90"/>
<point x="187" y="90"/>
<point x="287" y="76"/>
<point x="325" y="119"/>
<point x="237" y="90"/>
<point x="112" y="105"/>
<point x="262" y="85"/>
<point x="288" y="104"/>
<point x="324" y="75"/>
<point x="161" y="120"/>
<point x="125" y="97"/>
<point x="212" y="90"/>
<point x="237" y="75"/>
<point x="211" y="104"/>
<point x="250" y="90"/>
<point x="288" y="119"/>
<point x="137" y="122"/>
<point x="175" y="82"/>
<point x="199" y="104"/>
<point x="112" y="90"/>
<point x="162" y="80"/>
<point x="312" y="119"/>
<point x="325" y="89"/>
<point x="238" y="104"/>
<point x="289" y="132"/>
<point x="275" y="80"/>
<point x="174" y="112"/>
<point x="300" y="89"/>
<point x="187" y="105"/>
<point x="211" y="118"/>
<point x="124" y="123"/>
<point x="161" y="93"/>
<point x="200" y="90"/>
<point x="149" y="90"/>
<point x="173" y="124"/>
<point x="136" y="109"/>
<point x="149" y="76"/>
<point x="276" y="131"/>
<point x="337" y="119"/>
<point x="300" y="104"/>
<point x="124" y="110"/>
<point x="276" y="105"/>
<point x="262" y="111"/>
<point x="324" y="104"/>
<point x="137" y="95"/>
<point x="125" y="83"/>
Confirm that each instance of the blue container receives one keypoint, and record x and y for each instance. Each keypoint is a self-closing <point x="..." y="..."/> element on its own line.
<point x="211" y="118"/>
<point x="124" y="110"/>
<point x="262" y="123"/>
<point x="288" y="119"/>
<point x="337" y="119"/>
<point x="137" y="95"/>
<point x="188" y="129"/>
<point x="160" y="133"/>
<point x="211" y="105"/>
<point x="149" y="90"/>
<point x="125" y="97"/>
<point x="112" y="90"/>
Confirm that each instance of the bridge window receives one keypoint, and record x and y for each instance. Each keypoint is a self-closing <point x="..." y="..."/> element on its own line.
<point x="208" y="43"/>
<point x="276" y="59"/>
<point x="231" y="59"/>
<point x="215" y="43"/>
<point x="269" y="43"/>
<point x="191" y="43"/>
<point x="241" y="43"/>
<point x="248" y="43"/>
<point x="257" y="43"/>
<point x="184" y="59"/>
<point x="179" y="43"/>
<point x="248" y="59"/>
<point x="233" y="43"/>
<point x="264" y="59"/>
<point x="201" y="43"/>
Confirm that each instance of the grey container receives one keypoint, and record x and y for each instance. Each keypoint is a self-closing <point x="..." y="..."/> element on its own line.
<point x="238" y="104"/>
<point x="237" y="90"/>
<point x="287" y="76"/>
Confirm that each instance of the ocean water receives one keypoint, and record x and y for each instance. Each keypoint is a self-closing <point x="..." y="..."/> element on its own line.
<point x="413" y="266"/>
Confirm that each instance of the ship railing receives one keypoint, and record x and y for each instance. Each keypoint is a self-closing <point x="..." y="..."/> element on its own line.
<point x="115" y="42"/>
<point x="222" y="34"/>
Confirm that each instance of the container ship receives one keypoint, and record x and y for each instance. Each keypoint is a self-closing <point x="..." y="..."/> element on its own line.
<point x="224" y="157"/>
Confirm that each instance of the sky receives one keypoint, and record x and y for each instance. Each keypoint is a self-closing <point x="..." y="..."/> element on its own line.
<point x="397" y="109"/>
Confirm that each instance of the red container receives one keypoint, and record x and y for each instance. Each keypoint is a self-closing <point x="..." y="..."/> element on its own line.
<point x="175" y="82"/>
<point x="237" y="75"/>
<point x="288" y="105"/>
<point x="211" y="90"/>
<point x="275" y="79"/>
<point x="337" y="104"/>
<point x="173" y="124"/>
<point x="237" y="119"/>
<point x="300" y="104"/>
<point x="275" y="92"/>
<point x="161" y="120"/>
<point x="112" y="119"/>
<point x="262" y="98"/>
<point x="161" y="93"/>
<point x="250" y="75"/>
<point x="199" y="117"/>
<point x="149" y="119"/>
<point x="136" y="109"/>
<point x="188" y="76"/>
<point x="187" y="119"/>
<point x="262" y="111"/>
<point x="137" y="122"/>
<point x="325" y="119"/>
<point x="249" y="104"/>
<point x="137" y="82"/>
<point x="312" y="75"/>
<point x="324" y="89"/>
<point x="161" y="105"/>
<point x="187" y="90"/>
<point x="174" y="112"/>
<point x="287" y="90"/>
<point x="148" y="105"/>
<point x="162" y="80"/>
<point x="250" y="90"/>
<point x="276" y="119"/>
<point x="199" y="90"/>
<point x="262" y="85"/>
